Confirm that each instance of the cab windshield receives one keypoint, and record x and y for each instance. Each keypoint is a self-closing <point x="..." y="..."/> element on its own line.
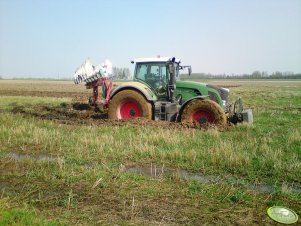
<point x="155" y="74"/>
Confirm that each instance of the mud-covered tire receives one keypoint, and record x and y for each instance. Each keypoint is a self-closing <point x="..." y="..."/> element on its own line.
<point x="129" y="104"/>
<point x="204" y="112"/>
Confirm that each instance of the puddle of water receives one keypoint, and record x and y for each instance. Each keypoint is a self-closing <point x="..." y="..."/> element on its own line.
<point x="204" y="179"/>
<point x="296" y="190"/>
<point x="156" y="172"/>
<point x="262" y="188"/>
<point x="41" y="157"/>
<point x="153" y="171"/>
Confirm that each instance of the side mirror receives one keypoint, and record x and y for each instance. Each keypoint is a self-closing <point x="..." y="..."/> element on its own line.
<point x="189" y="71"/>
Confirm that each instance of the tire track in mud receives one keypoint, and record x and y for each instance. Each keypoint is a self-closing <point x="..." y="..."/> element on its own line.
<point x="83" y="114"/>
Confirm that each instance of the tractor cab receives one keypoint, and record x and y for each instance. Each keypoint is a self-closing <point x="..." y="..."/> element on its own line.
<point x="155" y="72"/>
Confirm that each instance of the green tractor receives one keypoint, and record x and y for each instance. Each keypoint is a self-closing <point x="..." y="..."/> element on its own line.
<point x="157" y="93"/>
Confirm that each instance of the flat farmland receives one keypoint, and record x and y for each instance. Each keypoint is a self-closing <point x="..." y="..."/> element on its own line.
<point x="43" y="89"/>
<point x="63" y="163"/>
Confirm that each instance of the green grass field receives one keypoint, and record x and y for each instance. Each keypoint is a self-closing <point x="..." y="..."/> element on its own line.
<point x="61" y="172"/>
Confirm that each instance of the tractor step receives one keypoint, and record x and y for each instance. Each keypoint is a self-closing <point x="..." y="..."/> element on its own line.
<point x="165" y="111"/>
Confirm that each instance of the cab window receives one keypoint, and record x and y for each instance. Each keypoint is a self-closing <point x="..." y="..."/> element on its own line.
<point x="141" y="71"/>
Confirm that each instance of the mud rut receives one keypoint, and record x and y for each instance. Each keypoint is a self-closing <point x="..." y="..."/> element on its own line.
<point x="83" y="114"/>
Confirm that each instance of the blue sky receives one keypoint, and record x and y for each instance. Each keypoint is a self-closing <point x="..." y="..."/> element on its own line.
<point x="44" y="38"/>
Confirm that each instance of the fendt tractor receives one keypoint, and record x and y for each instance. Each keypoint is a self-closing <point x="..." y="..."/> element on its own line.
<point x="156" y="92"/>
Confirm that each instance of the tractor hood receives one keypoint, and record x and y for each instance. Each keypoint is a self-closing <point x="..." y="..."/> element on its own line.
<point x="190" y="89"/>
<point x="140" y="87"/>
<point x="189" y="85"/>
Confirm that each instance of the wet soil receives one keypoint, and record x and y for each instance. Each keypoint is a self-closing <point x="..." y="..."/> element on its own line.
<point x="79" y="113"/>
<point x="41" y="157"/>
<point x="159" y="171"/>
<point x="155" y="171"/>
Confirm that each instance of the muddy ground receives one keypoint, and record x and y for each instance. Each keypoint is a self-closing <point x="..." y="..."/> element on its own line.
<point x="79" y="113"/>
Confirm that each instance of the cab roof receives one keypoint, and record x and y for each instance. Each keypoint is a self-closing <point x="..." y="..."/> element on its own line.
<point x="155" y="59"/>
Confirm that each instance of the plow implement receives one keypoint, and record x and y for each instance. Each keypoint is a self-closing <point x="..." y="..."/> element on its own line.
<point x="93" y="77"/>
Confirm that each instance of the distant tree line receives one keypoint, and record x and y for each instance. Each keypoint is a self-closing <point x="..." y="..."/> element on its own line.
<point x="125" y="74"/>
<point x="254" y="75"/>
<point x="121" y="73"/>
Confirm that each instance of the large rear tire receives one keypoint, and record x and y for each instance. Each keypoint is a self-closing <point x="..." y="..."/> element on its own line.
<point x="129" y="104"/>
<point x="204" y="112"/>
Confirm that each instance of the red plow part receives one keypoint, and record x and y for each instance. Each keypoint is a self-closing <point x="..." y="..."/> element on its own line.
<point x="106" y="89"/>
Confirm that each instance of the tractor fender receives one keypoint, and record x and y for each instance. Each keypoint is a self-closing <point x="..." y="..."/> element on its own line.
<point x="187" y="101"/>
<point x="139" y="87"/>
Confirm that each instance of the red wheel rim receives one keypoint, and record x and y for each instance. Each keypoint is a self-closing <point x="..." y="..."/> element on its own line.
<point x="129" y="109"/>
<point x="202" y="117"/>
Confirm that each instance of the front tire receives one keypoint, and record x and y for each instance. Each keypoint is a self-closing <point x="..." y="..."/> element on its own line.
<point x="129" y="104"/>
<point x="204" y="112"/>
